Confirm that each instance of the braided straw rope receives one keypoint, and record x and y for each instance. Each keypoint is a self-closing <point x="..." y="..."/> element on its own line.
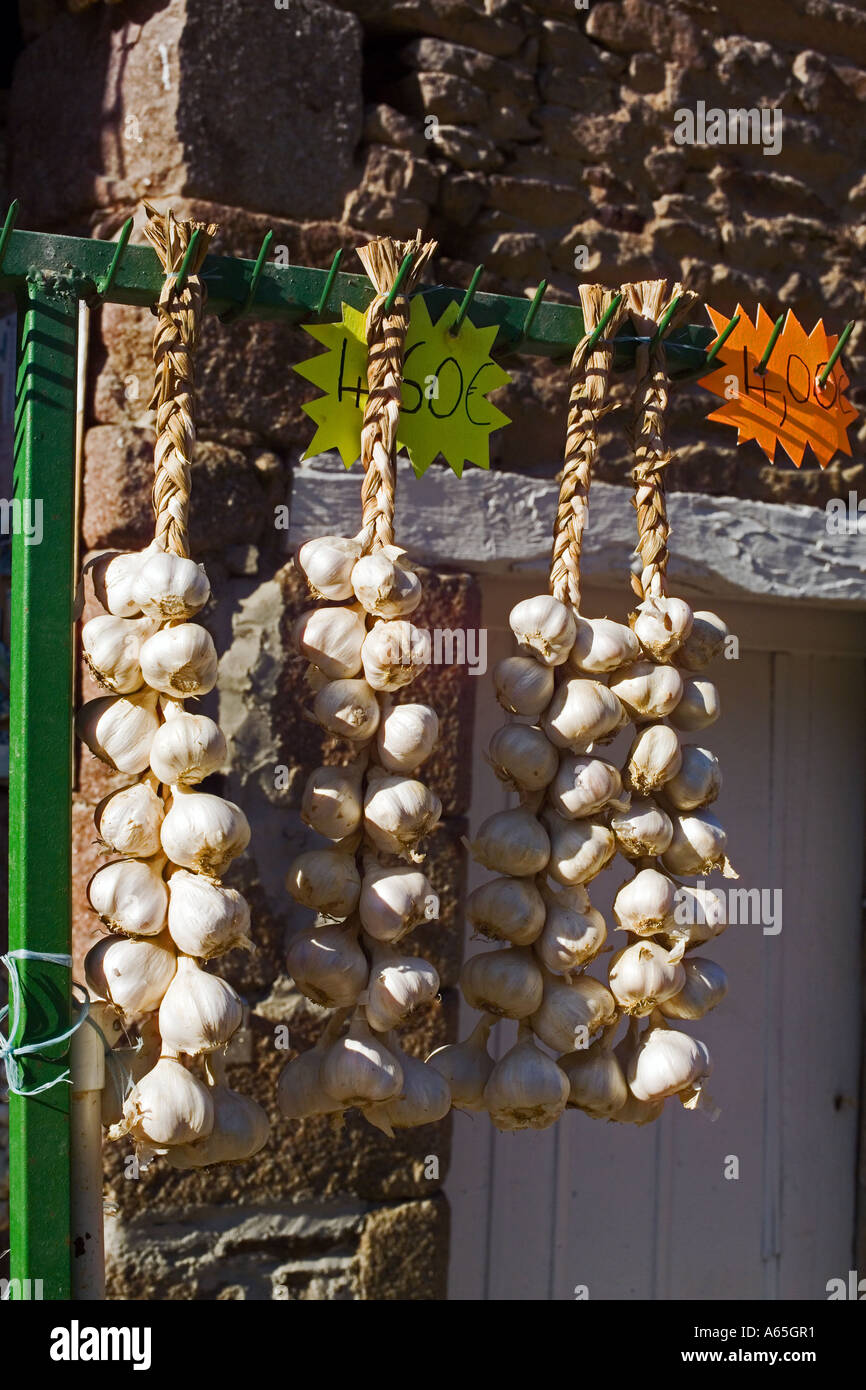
<point x="174" y="343"/>
<point x="386" y="341"/>
<point x="648" y="302"/>
<point x="587" y="403"/>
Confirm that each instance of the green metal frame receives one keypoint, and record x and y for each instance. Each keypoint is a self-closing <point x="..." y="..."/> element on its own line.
<point x="48" y="276"/>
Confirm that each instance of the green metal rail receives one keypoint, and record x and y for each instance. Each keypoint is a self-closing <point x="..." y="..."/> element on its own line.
<point x="48" y="276"/>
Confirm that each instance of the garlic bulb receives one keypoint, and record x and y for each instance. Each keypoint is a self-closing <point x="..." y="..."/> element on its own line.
<point x="700" y="915"/>
<point x="206" y="919"/>
<point x="573" y="932"/>
<point x="526" y="1089"/>
<point x="698" y="781"/>
<point x="645" y="905"/>
<point x="698" y="706"/>
<point x="522" y="755"/>
<point x="512" y="842"/>
<point x="423" y="1098"/>
<point x="644" y="830"/>
<point x="666" y="1062"/>
<point x="698" y="846"/>
<point x="327" y="964"/>
<point x="398" y="813"/>
<point x="703" y="643"/>
<point x="394" y="653"/>
<point x="466" y="1067"/>
<point x="199" y="1012"/>
<point x="662" y="625"/>
<point x="384" y="584"/>
<point x="180" y="661"/>
<point x="583" y="786"/>
<point x="119" y="729"/>
<point x="111" y="649"/>
<point x="582" y="712"/>
<point x="167" y="1106"/>
<point x="170" y="587"/>
<point x="395" y="901"/>
<point x="348" y="709"/>
<point x="637" y="1112"/>
<point x="648" y="691"/>
<point x="523" y="685"/>
<point x="544" y="628"/>
<point x="397" y="986"/>
<point x="579" y="849"/>
<point x="507" y="983"/>
<point x="507" y="909"/>
<point x="240" y="1129"/>
<point x="187" y="748"/>
<point x="327" y="563"/>
<point x="133" y="975"/>
<point x="654" y="758"/>
<point x="130" y="895"/>
<point x="602" y="645"/>
<point x="203" y="832"/>
<point x="571" y="1009"/>
<point x="406" y="737"/>
<point x="331" y="803"/>
<point x="596" y="1081"/>
<point x="128" y="821"/>
<point x="644" y="975"/>
<point x="359" y="1069"/>
<point x="114" y="577"/>
<point x="332" y="639"/>
<point x="327" y="880"/>
<point x="300" y="1092"/>
<point x="706" y="985"/>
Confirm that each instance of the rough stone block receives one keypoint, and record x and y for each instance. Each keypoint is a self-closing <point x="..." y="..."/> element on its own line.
<point x="402" y="1252"/>
<point x="442" y="94"/>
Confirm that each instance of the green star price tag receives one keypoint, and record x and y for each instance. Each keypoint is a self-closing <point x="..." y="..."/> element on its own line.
<point x="444" y="406"/>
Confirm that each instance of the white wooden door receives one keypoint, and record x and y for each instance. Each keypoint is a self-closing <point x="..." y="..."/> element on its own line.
<point x="649" y="1212"/>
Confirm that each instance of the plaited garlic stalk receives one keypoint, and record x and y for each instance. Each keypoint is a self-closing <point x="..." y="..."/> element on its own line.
<point x="163" y="899"/>
<point x="364" y="652"/>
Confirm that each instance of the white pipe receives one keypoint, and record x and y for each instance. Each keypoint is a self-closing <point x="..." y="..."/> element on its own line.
<point x="87" y="1071"/>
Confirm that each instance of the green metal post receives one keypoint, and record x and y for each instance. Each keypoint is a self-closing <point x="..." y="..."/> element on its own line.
<point x="40" y="776"/>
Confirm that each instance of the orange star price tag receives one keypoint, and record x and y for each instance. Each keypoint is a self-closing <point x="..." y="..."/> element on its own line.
<point x="784" y="404"/>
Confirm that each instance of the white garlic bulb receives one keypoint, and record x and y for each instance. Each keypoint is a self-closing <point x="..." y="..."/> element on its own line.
<point x="424" y="1097"/>
<point x="596" y="1081"/>
<point x="698" y="707"/>
<point x="637" y="1112"/>
<point x="466" y="1067"/>
<point x="406" y="737"/>
<point x="601" y="645"/>
<point x="397" y="986"/>
<point x="132" y="974"/>
<point x="167" y="1106"/>
<point x="512" y="842"/>
<point x="359" y="1069"/>
<point x="544" y="628"/>
<point x="523" y="685"/>
<point x="703" y="643"/>
<point x="203" y="832"/>
<point x="581" y="713"/>
<point x="332" y="639"/>
<point x="645" y="905"/>
<point x="384" y="584"/>
<point x="332" y="803"/>
<point x="644" y="830"/>
<point x="662" y="625"/>
<point x="111" y="649"/>
<point x="327" y="563"/>
<point x="327" y="964"/>
<point x="114" y="575"/>
<point x="199" y="1012"/>
<point x="186" y="748"/>
<point x="526" y="1089"/>
<point x="130" y="895"/>
<point x="170" y="587"/>
<point x="571" y="1010"/>
<point x="119" y="729"/>
<point x="507" y="909"/>
<point x="327" y="880"/>
<point x="579" y="849"/>
<point x="583" y="786"/>
<point x="644" y="975"/>
<point x="240" y="1129"/>
<point x="347" y="708"/>
<point x="394" y="653"/>
<point x="128" y="821"/>
<point x="666" y="1062"/>
<point x="523" y="756"/>
<point x="180" y="661"/>
<point x="300" y="1092"/>
<point x="507" y="983"/>
<point x="206" y="919"/>
<point x="700" y="914"/>
<point x="395" y="901"/>
<point x="399" y="812"/>
<point x="698" y="781"/>
<point x="654" y="758"/>
<point x="697" y="846"/>
<point x="706" y="985"/>
<point x="573" y="933"/>
<point x="648" y="691"/>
